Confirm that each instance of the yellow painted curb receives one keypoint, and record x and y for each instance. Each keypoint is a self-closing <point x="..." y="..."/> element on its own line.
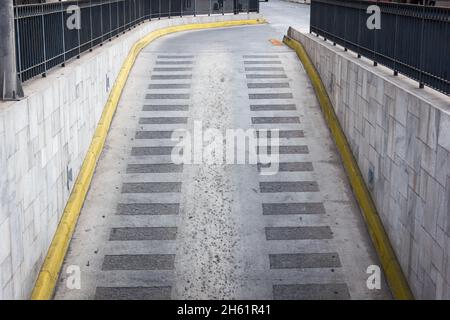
<point x="394" y="274"/>
<point x="46" y="281"/>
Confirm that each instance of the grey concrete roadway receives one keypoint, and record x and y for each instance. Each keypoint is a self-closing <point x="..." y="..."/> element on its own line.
<point x="152" y="229"/>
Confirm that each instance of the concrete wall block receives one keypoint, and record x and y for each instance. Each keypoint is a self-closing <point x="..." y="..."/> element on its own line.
<point x="10" y="148"/>
<point x="390" y="147"/>
<point x="433" y="128"/>
<point x="437" y="257"/>
<point x="414" y="261"/>
<point x="442" y="165"/>
<point x="429" y="288"/>
<point x="7" y="292"/>
<point x="21" y="116"/>
<point x="422" y="185"/>
<point x="16" y="228"/>
<point x="428" y="160"/>
<point x="400" y="178"/>
<point x="413" y="105"/>
<point x="5" y="240"/>
<point x="447" y="196"/>
<point x="400" y="139"/>
<point x="379" y="92"/>
<point x="424" y="117"/>
<point x="431" y="206"/>
<point x="444" y="131"/>
<point x="411" y="153"/>
<point x="365" y="84"/>
<point x="441" y="206"/>
<point x="405" y="248"/>
<point x="401" y="106"/>
<point x="380" y="136"/>
<point x="441" y="287"/>
<point x="6" y="272"/>
<point x="425" y="253"/>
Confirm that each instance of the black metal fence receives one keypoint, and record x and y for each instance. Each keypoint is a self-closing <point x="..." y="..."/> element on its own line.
<point x="413" y="40"/>
<point x="48" y="35"/>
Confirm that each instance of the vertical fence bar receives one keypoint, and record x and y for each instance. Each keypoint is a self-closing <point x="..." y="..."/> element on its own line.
<point x="78" y="25"/>
<point x="422" y="25"/>
<point x="101" y="25"/>
<point x="110" y="23"/>
<point x="63" y="40"/>
<point x="43" y="41"/>
<point x="395" y="39"/>
<point x="358" y="36"/>
<point x="375" y="63"/>
<point x="18" y="45"/>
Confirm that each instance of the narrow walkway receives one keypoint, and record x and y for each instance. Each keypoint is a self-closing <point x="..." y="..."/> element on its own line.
<point x="154" y="229"/>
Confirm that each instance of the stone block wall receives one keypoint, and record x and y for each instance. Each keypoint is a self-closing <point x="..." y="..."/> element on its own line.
<point x="400" y="136"/>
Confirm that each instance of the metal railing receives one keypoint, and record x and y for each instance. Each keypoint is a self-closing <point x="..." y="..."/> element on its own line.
<point x="44" y="40"/>
<point x="412" y="40"/>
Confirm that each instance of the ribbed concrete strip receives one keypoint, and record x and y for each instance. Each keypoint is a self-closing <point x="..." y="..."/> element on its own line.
<point x="262" y="62"/>
<point x="304" y="260"/>
<point x="154" y="134"/>
<point x="266" y="76"/>
<point x="264" y="69"/>
<point x="284" y="133"/>
<point x="260" y="56"/>
<point x="291" y="186"/>
<point x="283" y="150"/>
<point x="293" y="208"/>
<point x="151" y="187"/>
<point x="175" y="56"/>
<point x="163" y="120"/>
<point x="252" y="96"/>
<point x="167" y="96"/>
<point x="298" y="233"/>
<point x="133" y="293"/>
<point x="148" y="208"/>
<point x="260" y="120"/>
<point x="171" y="77"/>
<point x="154" y="168"/>
<point x="139" y="262"/>
<point x="173" y="69"/>
<point x="173" y="62"/>
<point x="268" y="85"/>
<point x="165" y="107"/>
<point x="290" y="166"/>
<point x="154" y="151"/>
<point x="143" y="233"/>
<point x="315" y="291"/>
<point x="169" y="86"/>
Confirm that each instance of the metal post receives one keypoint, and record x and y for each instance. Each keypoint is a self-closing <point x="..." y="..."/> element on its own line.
<point x="422" y="24"/>
<point x="62" y="35"/>
<point x="10" y="86"/>
<point x="395" y="39"/>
